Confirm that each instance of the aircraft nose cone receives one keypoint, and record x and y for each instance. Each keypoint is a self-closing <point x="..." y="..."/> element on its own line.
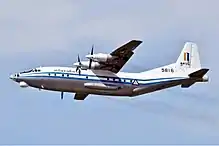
<point x="14" y="77"/>
<point x="11" y="76"/>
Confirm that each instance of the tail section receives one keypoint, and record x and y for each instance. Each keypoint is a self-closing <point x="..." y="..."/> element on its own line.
<point x="197" y="76"/>
<point x="189" y="57"/>
<point x="189" y="63"/>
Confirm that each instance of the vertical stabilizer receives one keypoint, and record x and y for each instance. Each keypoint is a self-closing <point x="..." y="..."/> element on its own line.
<point x="189" y="57"/>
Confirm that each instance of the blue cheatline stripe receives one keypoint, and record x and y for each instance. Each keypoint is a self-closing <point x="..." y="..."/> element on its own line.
<point x="85" y="75"/>
<point x="72" y="78"/>
<point x="105" y="81"/>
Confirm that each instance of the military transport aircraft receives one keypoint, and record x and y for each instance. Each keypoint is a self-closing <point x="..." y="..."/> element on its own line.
<point x="101" y="74"/>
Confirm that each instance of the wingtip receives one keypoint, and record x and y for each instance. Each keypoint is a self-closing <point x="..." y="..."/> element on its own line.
<point x="139" y="41"/>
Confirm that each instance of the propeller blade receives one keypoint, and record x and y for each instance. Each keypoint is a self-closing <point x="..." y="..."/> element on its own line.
<point x="92" y="50"/>
<point x="79" y="60"/>
<point x="90" y="63"/>
<point x="91" y="53"/>
<point x="78" y="68"/>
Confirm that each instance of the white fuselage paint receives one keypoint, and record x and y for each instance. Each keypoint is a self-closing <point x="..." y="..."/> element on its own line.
<point x="66" y="79"/>
<point x="185" y="72"/>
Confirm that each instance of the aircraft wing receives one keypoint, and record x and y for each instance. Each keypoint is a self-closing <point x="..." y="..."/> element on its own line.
<point x="122" y="54"/>
<point x="80" y="96"/>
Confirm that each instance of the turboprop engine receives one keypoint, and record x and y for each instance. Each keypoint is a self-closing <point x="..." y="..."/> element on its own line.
<point x="100" y="57"/>
<point x="94" y="60"/>
<point x="85" y="65"/>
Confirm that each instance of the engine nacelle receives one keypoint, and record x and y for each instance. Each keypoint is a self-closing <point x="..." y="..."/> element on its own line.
<point x="23" y="84"/>
<point x="85" y="64"/>
<point x="100" y="57"/>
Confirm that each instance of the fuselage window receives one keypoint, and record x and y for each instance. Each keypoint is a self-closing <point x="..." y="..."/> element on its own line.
<point x="63" y="75"/>
<point x="49" y="74"/>
<point x="86" y="77"/>
<point x="67" y="75"/>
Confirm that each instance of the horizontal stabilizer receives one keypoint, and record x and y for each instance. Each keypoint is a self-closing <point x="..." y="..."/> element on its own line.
<point x="199" y="74"/>
<point x="187" y="85"/>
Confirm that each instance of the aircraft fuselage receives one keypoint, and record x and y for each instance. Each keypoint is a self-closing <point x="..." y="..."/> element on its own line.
<point x="100" y="82"/>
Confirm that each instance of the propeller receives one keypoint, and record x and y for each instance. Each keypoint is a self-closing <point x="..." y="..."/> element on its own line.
<point x="91" y="53"/>
<point x="79" y="67"/>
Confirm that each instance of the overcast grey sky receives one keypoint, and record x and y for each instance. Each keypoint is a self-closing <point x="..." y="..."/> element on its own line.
<point x="52" y="32"/>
